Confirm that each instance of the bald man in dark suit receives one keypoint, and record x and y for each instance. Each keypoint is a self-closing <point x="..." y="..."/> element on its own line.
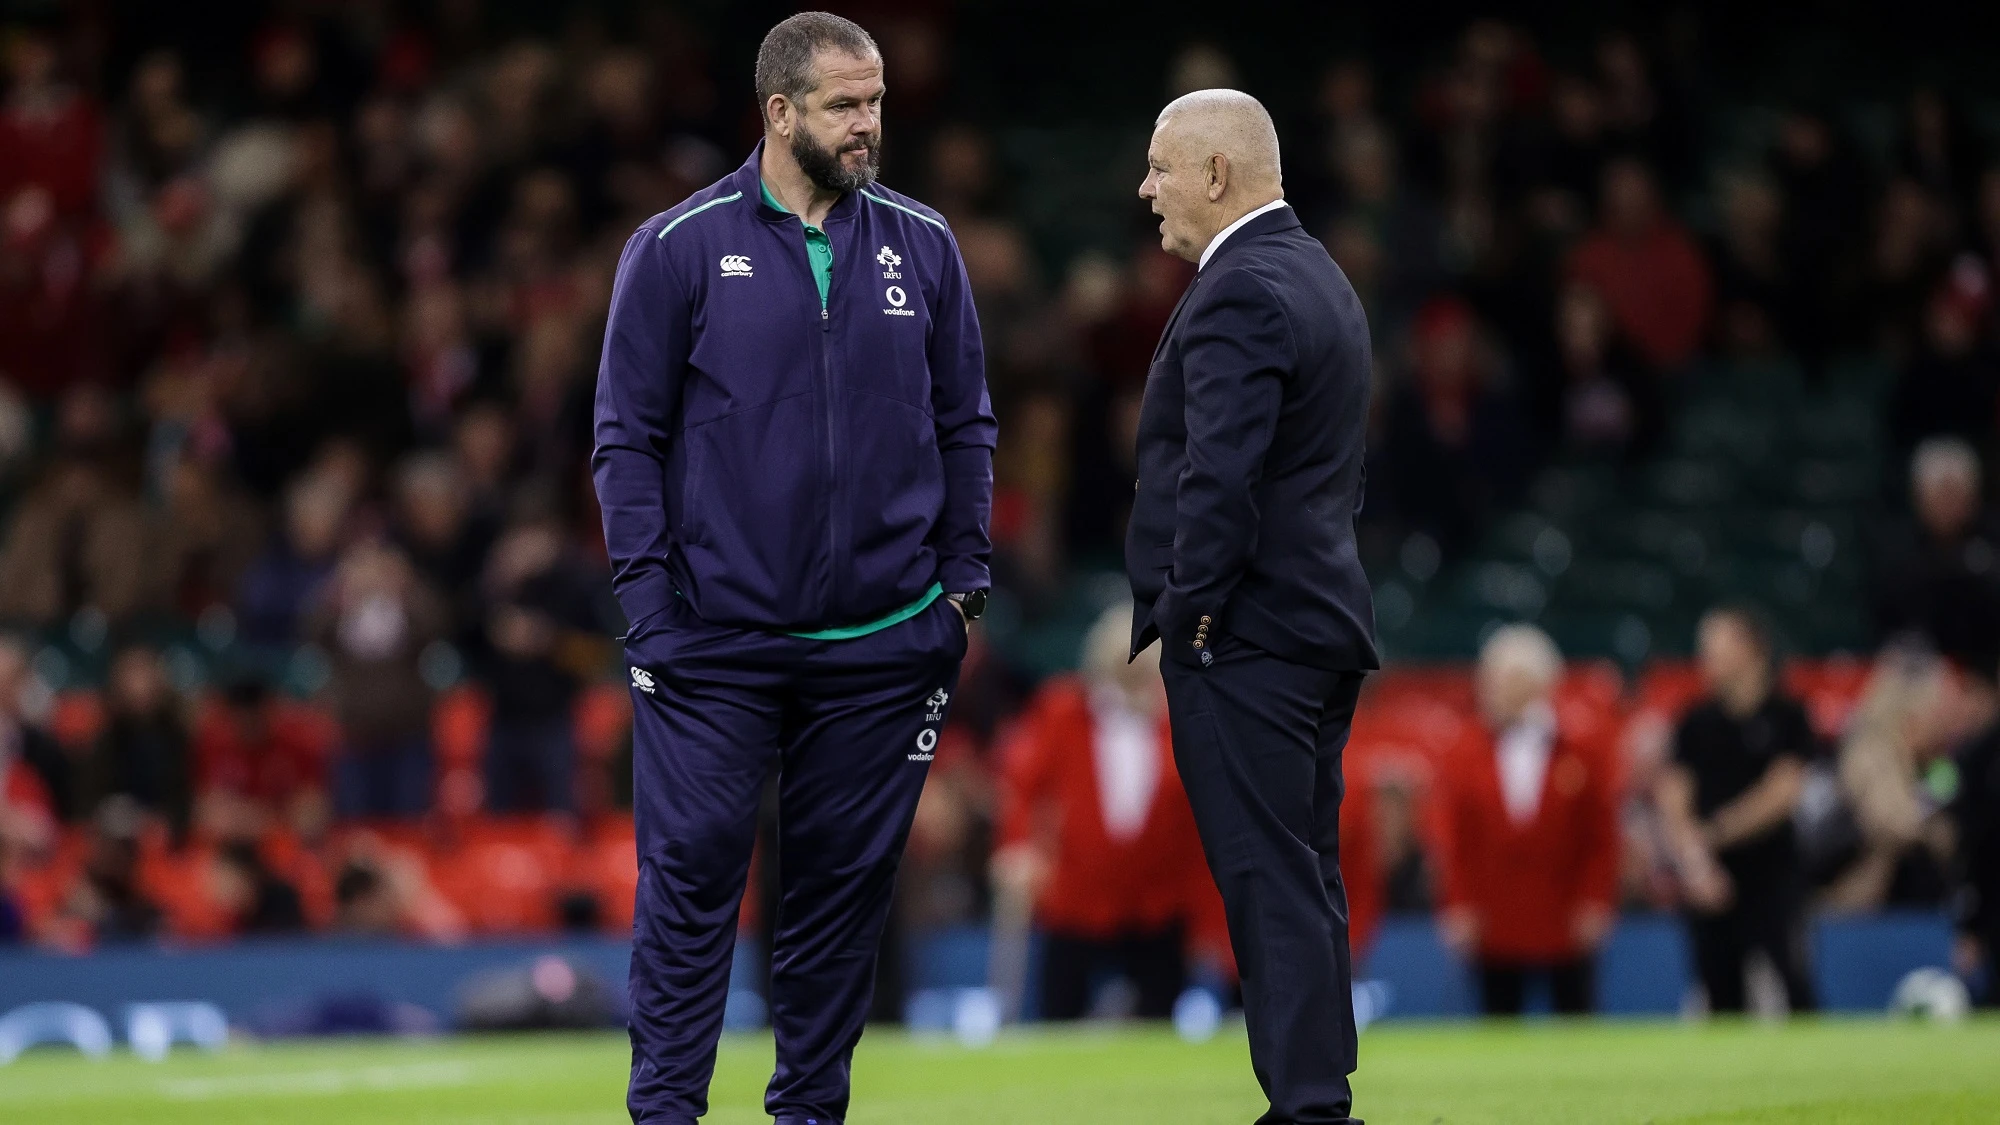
<point x="1242" y="559"/>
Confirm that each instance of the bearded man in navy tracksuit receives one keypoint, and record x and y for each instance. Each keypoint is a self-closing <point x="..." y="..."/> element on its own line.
<point x="795" y="462"/>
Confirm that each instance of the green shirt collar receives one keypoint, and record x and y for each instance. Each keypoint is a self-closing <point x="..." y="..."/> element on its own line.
<point x="819" y="248"/>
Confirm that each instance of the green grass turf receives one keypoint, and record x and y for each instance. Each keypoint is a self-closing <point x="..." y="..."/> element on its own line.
<point x="1825" y="1073"/>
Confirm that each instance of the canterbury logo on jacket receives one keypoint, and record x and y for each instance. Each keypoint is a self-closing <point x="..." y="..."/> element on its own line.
<point x="783" y="464"/>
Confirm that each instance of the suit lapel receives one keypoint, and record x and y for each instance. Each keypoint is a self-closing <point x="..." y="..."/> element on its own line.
<point x="1174" y="319"/>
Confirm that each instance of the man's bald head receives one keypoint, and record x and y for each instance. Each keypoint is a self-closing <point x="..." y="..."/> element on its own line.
<point x="1213" y="159"/>
<point x="1229" y="122"/>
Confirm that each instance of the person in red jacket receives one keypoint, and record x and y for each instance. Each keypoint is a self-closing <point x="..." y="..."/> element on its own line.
<point x="1527" y="834"/>
<point x="1647" y="268"/>
<point x="1096" y="829"/>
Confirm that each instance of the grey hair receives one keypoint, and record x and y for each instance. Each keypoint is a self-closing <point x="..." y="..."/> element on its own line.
<point x="1526" y="646"/>
<point x="1940" y="456"/>
<point x="785" y="60"/>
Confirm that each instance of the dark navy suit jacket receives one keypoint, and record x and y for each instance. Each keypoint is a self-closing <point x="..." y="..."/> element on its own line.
<point x="1250" y="459"/>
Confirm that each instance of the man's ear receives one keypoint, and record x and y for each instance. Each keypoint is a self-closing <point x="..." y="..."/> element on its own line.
<point x="778" y="115"/>
<point x="1218" y="176"/>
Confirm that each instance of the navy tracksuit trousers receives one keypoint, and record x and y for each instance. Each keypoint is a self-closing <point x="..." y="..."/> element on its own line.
<point x="850" y="726"/>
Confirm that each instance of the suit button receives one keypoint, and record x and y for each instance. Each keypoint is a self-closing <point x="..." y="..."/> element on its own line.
<point x="1205" y="619"/>
<point x="1197" y="642"/>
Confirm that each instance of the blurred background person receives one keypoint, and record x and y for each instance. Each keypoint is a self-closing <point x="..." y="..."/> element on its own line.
<point x="1649" y="270"/>
<point x="1527" y="836"/>
<point x="106" y="905"/>
<point x="38" y="771"/>
<point x="256" y="900"/>
<point x="1095" y="831"/>
<point x="374" y="623"/>
<point x="1456" y="445"/>
<point x="142" y="752"/>
<point x="1739" y="765"/>
<point x="1904" y="726"/>
<point x="542" y="641"/>
<point x="262" y="758"/>
<point x="278" y="588"/>
<point x="1938" y="573"/>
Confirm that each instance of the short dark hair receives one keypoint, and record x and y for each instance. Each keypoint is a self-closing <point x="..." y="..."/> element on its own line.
<point x="785" y="61"/>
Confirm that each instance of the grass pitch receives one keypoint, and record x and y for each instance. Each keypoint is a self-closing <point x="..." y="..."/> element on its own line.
<point x="1825" y="1073"/>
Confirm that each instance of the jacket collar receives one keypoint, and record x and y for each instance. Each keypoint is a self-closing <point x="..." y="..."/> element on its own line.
<point x="1270" y="222"/>
<point x="749" y="179"/>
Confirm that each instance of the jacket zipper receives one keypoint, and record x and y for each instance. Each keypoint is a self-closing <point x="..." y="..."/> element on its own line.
<point x="835" y="525"/>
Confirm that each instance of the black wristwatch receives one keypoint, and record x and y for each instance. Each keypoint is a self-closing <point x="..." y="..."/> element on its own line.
<point x="972" y="603"/>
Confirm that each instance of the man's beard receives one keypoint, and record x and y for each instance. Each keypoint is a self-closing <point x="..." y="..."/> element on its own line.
<point x="826" y="170"/>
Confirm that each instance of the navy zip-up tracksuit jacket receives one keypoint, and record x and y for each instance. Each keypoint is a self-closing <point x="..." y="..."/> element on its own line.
<point x="784" y="466"/>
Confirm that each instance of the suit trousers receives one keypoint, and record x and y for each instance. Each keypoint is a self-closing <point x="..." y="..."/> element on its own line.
<point x="1258" y="742"/>
<point x="851" y="727"/>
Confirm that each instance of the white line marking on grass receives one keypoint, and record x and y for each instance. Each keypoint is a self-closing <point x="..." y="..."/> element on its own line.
<point x="322" y="1082"/>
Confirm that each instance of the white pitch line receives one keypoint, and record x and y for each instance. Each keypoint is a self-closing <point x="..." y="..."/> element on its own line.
<point x="322" y="1082"/>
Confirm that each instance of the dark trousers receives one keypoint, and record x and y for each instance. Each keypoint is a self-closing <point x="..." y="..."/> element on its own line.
<point x="850" y="726"/>
<point x="1503" y="986"/>
<point x="531" y="764"/>
<point x="1765" y="915"/>
<point x="1150" y="959"/>
<point x="1258" y="742"/>
<point x="390" y="777"/>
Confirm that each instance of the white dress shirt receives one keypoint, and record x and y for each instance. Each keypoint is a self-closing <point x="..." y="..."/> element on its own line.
<point x="1217" y="241"/>
<point x="1523" y="752"/>
<point x="1126" y="752"/>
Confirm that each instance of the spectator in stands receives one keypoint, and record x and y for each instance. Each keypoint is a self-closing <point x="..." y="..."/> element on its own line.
<point x="108" y="901"/>
<point x="1940" y="572"/>
<point x="1940" y="148"/>
<point x="142" y="752"/>
<point x="1757" y="311"/>
<point x="1951" y="386"/>
<point x="1975" y="813"/>
<point x="437" y="528"/>
<point x="1648" y="269"/>
<point x="37" y="771"/>
<point x="383" y="892"/>
<point x="1455" y="444"/>
<point x="51" y="154"/>
<point x="1096" y="832"/>
<point x="274" y="594"/>
<point x="257" y="900"/>
<point x="1738" y="768"/>
<point x="1908" y="255"/>
<point x="364" y="904"/>
<point x="1824" y="186"/>
<point x="1404" y="230"/>
<point x="542" y="642"/>
<point x="79" y="538"/>
<point x="1902" y="726"/>
<point x="261" y="760"/>
<point x="1527" y="833"/>
<point x="1610" y="405"/>
<point x="207" y="534"/>
<point x="375" y="621"/>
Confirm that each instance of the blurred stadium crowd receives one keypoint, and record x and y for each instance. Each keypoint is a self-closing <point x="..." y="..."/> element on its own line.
<point x="309" y="615"/>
